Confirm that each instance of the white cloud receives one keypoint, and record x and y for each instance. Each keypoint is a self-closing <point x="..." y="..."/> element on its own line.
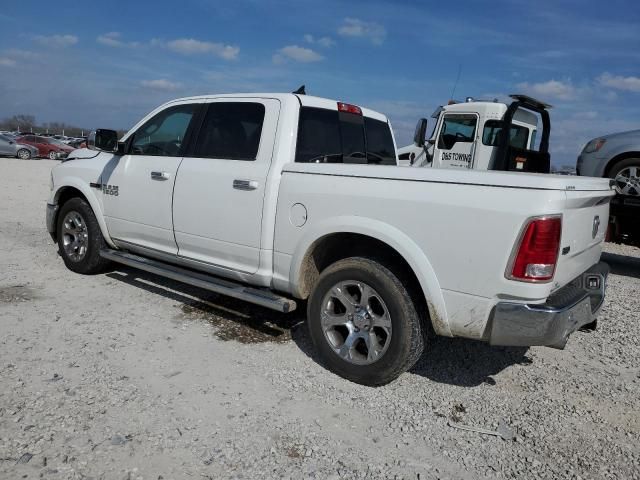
<point x="161" y="84"/>
<point x="23" y="54"/>
<point x="354" y="27"/>
<point x="550" y="89"/>
<point x="7" y="62"/>
<point x="114" y="39"/>
<point x="629" y="84"/>
<point x="296" y="53"/>
<point x="58" y="41"/>
<point x="190" y="46"/>
<point x="325" y="42"/>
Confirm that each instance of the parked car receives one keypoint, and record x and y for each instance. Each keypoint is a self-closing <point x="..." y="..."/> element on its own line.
<point x="617" y="156"/>
<point x="277" y="198"/>
<point x="47" y="147"/>
<point x="77" y="142"/>
<point x="10" y="147"/>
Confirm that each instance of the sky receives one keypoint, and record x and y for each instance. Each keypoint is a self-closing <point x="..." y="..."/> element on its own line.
<point x="106" y="64"/>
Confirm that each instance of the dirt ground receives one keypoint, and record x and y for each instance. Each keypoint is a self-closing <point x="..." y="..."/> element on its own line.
<point x="126" y="375"/>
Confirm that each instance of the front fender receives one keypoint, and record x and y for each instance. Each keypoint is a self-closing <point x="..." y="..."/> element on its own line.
<point x="393" y="237"/>
<point x="90" y="194"/>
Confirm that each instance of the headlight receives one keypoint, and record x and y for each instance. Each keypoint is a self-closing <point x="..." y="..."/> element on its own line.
<point x="594" y="145"/>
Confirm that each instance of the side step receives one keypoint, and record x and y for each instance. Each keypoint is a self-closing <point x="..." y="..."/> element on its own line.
<point x="264" y="298"/>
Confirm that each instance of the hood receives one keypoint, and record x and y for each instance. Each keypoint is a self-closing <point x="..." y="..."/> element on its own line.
<point x="628" y="134"/>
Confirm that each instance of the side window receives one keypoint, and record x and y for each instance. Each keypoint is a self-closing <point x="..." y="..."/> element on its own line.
<point x="456" y="128"/>
<point x="380" y="149"/>
<point x="231" y="130"/>
<point x="164" y="133"/>
<point x="518" y="135"/>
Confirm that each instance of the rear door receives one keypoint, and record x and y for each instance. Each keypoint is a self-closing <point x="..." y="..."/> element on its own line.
<point x="456" y="140"/>
<point x="6" y="147"/>
<point x="219" y="192"/>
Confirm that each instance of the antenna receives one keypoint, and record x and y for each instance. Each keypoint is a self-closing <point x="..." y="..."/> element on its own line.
<point x="455" y="85"/>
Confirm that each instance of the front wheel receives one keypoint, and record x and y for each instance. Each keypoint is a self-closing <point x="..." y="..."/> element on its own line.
<point x="79" y="238"/>
<point x="626" y="176"/>
<point x="23" y="154"/>
<point x="363" y="322"/>
<point x="52" y="155"/>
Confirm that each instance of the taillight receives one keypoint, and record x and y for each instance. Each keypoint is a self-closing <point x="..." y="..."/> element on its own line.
<point x="537" y="253"/>
<point x="347" y="107"/>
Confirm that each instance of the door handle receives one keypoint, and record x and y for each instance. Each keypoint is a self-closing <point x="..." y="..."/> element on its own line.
<point x="245" y="184"/>
<point x="159" y="176"/>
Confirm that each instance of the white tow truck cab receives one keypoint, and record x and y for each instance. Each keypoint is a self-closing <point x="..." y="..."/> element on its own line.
<point x="470" y="135"/>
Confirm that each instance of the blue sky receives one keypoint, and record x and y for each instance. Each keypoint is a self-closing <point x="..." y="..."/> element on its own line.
<point x="105" y="64"/>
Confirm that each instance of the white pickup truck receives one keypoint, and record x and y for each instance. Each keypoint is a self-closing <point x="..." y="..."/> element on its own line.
<point x="282" y="198"/>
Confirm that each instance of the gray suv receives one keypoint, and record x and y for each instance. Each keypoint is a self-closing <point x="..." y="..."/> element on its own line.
<point x="8" y="146"/>
<point x="617" y="156"/>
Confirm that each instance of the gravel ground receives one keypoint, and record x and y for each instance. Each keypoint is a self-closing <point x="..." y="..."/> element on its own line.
<point x="127" y="375"/>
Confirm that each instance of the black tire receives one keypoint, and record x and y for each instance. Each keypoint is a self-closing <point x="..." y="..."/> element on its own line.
<point x="91" y="262"/>
<point x="406" y="342"/>
<point x="621" y="165"/>
<point x="23" y="154"/>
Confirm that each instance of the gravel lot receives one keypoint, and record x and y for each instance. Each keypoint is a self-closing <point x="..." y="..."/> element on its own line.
<point x="127" y="375"/>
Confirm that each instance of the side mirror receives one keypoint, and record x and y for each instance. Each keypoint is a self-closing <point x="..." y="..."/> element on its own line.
<point x="103" y="140"/>
<point x="421" y="133"/>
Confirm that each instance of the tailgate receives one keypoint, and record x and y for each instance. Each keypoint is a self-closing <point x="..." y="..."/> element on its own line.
<point x="584" y="226"/>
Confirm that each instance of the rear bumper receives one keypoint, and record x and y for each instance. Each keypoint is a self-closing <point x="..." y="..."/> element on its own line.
<point x="550" y="324"/>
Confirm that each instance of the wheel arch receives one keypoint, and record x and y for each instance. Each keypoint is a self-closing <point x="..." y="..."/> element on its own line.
<point x="72" y="189"/>
<point x="618" y="158"/>
<point x="365" y="237"/>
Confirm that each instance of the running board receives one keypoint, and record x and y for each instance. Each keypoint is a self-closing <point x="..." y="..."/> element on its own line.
<point x="264" y="298"/>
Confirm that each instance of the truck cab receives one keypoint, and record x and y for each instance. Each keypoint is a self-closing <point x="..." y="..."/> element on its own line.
<point x="471" y="135"/>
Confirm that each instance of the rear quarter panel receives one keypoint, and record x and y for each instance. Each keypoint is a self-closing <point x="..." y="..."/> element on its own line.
<point x="456" y="237"/>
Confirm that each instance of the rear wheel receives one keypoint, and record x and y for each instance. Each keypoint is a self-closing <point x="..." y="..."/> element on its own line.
<point x="626" y="175"/>
<point x="79" y="238"/>
<point x="23" y="154"/>
<point x="363" y="322"/>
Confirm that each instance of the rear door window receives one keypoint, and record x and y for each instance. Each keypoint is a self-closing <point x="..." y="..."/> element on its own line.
<point x="231" y="130"/>
<point x="329" y="136"/>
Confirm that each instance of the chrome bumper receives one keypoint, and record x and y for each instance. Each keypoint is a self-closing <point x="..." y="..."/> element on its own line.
<point x="550" y="324"/>
<point x="52" y="213"/>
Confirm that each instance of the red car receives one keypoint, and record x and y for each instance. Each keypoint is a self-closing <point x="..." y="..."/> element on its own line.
<point x="47" y="146"/>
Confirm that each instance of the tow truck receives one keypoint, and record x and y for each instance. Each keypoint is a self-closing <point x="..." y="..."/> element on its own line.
<point x="484" y="135"/>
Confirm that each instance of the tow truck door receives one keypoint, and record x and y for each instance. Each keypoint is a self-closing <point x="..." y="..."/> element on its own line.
<point x="456" y="141"/>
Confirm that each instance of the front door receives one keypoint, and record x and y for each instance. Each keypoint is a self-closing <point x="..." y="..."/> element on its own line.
<point x="138" y="186"/>
<point x="221" y="185"/>
<point x="456" y="141"/>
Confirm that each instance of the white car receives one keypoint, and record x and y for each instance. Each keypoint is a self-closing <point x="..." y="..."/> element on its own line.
<point x="278" y="198"/>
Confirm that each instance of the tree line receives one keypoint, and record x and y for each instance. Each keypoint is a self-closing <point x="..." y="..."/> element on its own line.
<point x="27" y="123"/>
